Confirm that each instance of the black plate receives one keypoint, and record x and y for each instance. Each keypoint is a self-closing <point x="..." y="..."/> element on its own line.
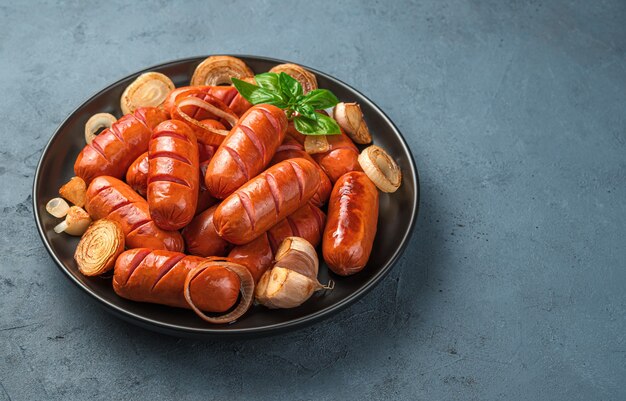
<point x="398" y="212"/>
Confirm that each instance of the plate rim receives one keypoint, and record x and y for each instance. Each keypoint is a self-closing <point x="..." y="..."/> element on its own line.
<point x="289" y="325"/>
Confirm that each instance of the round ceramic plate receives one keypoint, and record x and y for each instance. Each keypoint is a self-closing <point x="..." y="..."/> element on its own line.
<point x="397" y="216"/>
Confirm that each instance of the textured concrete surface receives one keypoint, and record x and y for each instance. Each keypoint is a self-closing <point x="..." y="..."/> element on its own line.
<point x="513" y="286"/>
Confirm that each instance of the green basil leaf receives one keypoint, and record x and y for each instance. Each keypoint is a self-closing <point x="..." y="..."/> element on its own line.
<point x="306" y="110"/>
<point x="262" y="95"/>
<point x="289" y="86"/>
<point x="328" y="124"/>
<point x="323" y="125"/>
<point x="306" y="126"/>
<point x="320" y="99"/>
<point x="245" y="89"/>
<point x="268" y="80"/>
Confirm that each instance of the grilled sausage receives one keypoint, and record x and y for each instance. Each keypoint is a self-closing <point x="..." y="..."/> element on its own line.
<point x="137" y="175"/>
<point x="351" y="225"/>
<point x="173" y="175"/>
<point x="258" y="255"/>
<point x="265" y="200"/>
<point x="159" y="276"/>
<point x="114" y="150"/>
<point x="247" y="150"/>
<point x="137" y="178"/>
<point x="291" y="149"/>
<point x="200" y="236"/>
<point x="341" y="157"/>
<point x="108" y="197"/>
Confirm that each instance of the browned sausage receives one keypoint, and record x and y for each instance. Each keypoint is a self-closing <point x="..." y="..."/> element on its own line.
<point x="108" y="197"/>
<point x="159" y="276"/>
<point x="351" y="226"/>
<point x="137" y="175"/>
<point x="114" y="150"/>
<point x="137" y="178"/>
<point x="173" y="175"/>
<point x="341" y="157"/>
<point x="200" y="236"/>
<point x="265" y="200"/>
<point x="291" y="149"/>
<point x="247" y="149"/>
<point x="306" y="222"/>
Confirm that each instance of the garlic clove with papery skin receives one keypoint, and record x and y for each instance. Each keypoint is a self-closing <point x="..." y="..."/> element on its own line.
<point x="293" y="278"/>
<point x="350" y="117"/>
<point x="76" y="222"/>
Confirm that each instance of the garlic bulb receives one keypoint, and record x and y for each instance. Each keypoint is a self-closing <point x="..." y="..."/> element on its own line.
<point x="76" y="222"/>
<point x="350" y="118"/>
<point x="97" y="122"/>
<point x="99" y="247"/>
<point x="149" y="89"/>
<point x="305" y="77"/>
<point x="75" y="191"/>
<point x="218" y="70"/>
<point x="293" y="278"/>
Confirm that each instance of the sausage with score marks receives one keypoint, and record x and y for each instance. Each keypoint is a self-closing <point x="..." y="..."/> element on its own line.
<point x="108" y="197"/>
<point x="291" y="149"/>
<point x="173" y="175"/>
<point x="159" y="277"/>
<point x="200" y="236"/>
<point x="247" y="149"/>
<point x="115" y="148"/>
<point x="265" y="200"/>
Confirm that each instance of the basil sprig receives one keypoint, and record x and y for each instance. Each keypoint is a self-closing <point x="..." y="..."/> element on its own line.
<point x="283" y="91"/>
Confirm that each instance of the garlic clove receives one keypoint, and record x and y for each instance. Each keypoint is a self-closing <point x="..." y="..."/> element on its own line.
<point x="76" y="222"/>
<point x="300" y="74"/>
<point x="97" y="122"/>
<point x="293" y="278"/>
<point x="148" y="90"/>
<point x="218" y="70"/>
<point x="75" y="191"/>
<point x="284" y="288"/>
<point x="57" y="207"/>
<point x="350" y="117"/>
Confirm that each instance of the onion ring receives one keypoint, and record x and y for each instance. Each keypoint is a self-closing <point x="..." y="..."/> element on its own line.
<point x="218" y="70"/>
<point x="148" y="90"/>
<point x="99" y="247"/>
<point x="97" y="122"/>
<point x="381" y="168"/>
<point x="305" y="77"/>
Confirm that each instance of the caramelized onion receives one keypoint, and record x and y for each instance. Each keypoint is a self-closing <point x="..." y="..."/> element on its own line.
<point x="305" y="77"/>
<point x="381" y="168"/>
<point x="97" y="122"/>
<point x="316" y="144"/>
<point x="246" y="290"/>
<point x="99" y="247"/>
<point x="149" y="89"/>
<point x="218" y="70"/>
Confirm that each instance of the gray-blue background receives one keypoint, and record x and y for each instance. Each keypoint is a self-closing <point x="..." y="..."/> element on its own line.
<point x="513" y="284"/>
